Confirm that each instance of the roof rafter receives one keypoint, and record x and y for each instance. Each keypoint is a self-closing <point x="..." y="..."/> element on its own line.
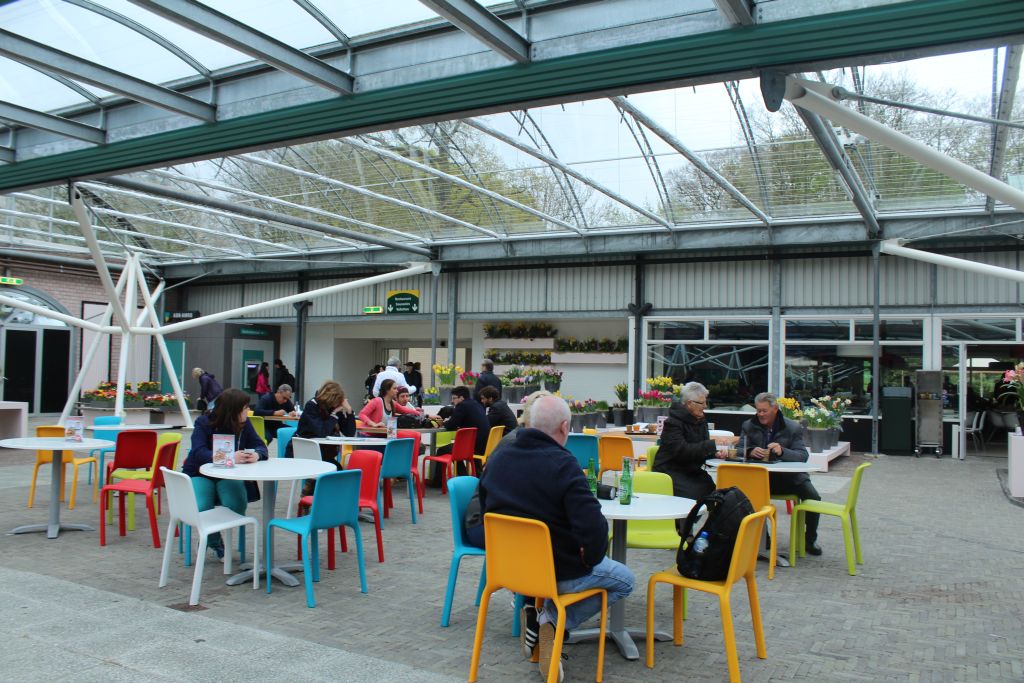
<point x="31" y="118"/>
<point x="76" y="238"/>
<point x="226" y="30"/>
<point x="1001" y="134"/>
<point x="485" y="26"/>
<point x="324" y="21"/>
<point x="49" y="59"/>
<point x="736" y="12"/>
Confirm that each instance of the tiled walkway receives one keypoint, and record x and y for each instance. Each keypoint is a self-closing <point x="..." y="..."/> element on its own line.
<point x="939" y="598"/>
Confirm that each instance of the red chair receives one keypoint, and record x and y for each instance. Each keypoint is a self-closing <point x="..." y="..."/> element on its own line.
<point x="147" y="487"/>
<point x="133" y="450"/>
<point x="417" y="482"/>
<point x="462" y="451"/>
<point x="369" y="463"/>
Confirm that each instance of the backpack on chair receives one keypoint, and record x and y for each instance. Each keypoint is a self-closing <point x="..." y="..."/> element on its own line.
<point x="719" y="513"/>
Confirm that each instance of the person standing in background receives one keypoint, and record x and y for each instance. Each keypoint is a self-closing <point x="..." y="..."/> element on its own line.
<point x="209" y="389"/>
<point x="262" y="387"/>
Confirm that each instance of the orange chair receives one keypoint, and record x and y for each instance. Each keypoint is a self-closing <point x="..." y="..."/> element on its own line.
<point x="753" y="481"/>
<point x="493" y="439"/>
<point x="611" y="449"/>
<point x="147" y="487"/>
<point x="519" y="557"/>
<point x="68" y="458"/>
<point x="462" y="451"/>
<point x="744" y="561"/>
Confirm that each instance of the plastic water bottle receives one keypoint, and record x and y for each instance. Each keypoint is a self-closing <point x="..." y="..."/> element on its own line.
<point x="701" y="544"/>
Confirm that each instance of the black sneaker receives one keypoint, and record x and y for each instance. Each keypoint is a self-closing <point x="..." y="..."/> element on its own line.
<point x="546" y="644"/>
<point x="528" y="631"/>
<point x="813" y="548"/>
<point x="218" y="550"/>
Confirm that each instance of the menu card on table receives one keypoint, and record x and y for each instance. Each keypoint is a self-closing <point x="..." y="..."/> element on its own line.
<point x="223" y="450"/>
<point x="73" y="428"/>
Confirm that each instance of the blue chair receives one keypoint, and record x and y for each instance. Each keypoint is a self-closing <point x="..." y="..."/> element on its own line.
<point x="284" y="436"/>
<point x="584" y="447"/>
<point x="106" y="434"/>
<point x="460" y="491"/>
<point x="335" y="503"/>
<point x="398" y="465"/>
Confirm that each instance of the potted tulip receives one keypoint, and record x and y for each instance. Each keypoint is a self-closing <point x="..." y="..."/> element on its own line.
<point x="621" y="415"/>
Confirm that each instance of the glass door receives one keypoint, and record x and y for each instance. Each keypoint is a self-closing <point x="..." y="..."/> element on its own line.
<point x="20" y="367"/>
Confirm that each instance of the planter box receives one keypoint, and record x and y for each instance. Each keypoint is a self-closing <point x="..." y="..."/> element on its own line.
<point x="622" y="416"/>
<point x="541" y="343"/>
<point x="591" y="358"/>
<point x="819" y="440"/>
<point x="576" y="423"/>
<point x="513" y="394"/>
<point x="552" y="386"/>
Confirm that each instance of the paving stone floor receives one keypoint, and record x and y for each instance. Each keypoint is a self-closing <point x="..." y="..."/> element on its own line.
<point x="939" y="598"/>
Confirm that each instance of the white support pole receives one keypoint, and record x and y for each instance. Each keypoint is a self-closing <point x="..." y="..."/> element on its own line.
<point x="126" y="336"/>
<point x="820" y="99"/>
<point x="154" y="320"/>
<point x="56" y="315"/>
<point x="94" y="346"/>
<point x="894" y="248"/>
<point x="97" y="256"/>
<point x="415" y="269"/>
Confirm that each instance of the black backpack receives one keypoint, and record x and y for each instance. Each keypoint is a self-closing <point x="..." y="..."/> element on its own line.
<point x="726" y="509"/>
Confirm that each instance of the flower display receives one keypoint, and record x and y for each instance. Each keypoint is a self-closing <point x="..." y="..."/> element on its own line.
<point x="835" y="405"/>
<point x="100" y="394"/>
<point x="621" y="392"/>
<point x="517" y="357"/>
<point x="469" y="377"/>
<point x="654" y="399"/>
<point x="819" y="418"/>
<point x="1014" y="381"/>
<point x="160" y="399"/>
<point x="112" y="386"/>
<point x="550" y="374"/>
<point x="519" y="330"/>
<point x="445" y="375"/>
<point x="147" y="387"/>
<point x="790" y="408"/>
<point x="591" y="345"/>
<point x="663" y="384"/>
<point x="431" y="397"/>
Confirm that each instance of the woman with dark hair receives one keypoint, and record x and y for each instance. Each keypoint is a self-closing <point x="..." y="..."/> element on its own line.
<point x="262" y="387"/>
<point x="229" y="416"/>
<point x="326" y="414"/>
<point x="378" y="410"/>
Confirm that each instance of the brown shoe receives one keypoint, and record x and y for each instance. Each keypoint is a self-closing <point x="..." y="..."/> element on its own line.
<point x="545" y="645"/>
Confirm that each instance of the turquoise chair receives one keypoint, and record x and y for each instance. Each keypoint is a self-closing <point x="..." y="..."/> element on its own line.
<point x="335" y="503"/>
<point x="460" y="491"/>
<point x="584" y="447"/>
<point x="284" y="436"/>
<point x="106" y="434"/>
<point x="398" y="465"/>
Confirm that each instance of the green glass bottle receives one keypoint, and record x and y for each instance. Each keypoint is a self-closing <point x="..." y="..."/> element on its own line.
<point x="626" y="483"/>
<point x="592" y="477"/>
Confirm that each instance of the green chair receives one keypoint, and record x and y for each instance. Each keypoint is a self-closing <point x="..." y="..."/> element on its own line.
<point x="659" y="534"/>
<point x="846" y="513"/>
<point x="259" y="425"/>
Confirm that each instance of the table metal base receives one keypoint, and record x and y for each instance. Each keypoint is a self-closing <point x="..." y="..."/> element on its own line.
<point x="279" y="573"/>
<point x="624" y="639"/>
<point x="52" y="530"/>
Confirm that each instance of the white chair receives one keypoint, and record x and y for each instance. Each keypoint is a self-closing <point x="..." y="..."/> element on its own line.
<point x="975" y="429"/>
<point x="303" y="449"/>
<point x="181" y="499"/>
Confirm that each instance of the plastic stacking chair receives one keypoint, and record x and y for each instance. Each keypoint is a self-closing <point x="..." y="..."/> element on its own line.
<point x="67" y="457"/>
<point x="846" y="513"/>
<point x="591" y="431"/>
<point x="133" y="450"/>
<point x="147" y="487"/>
<point x="742" y="566"/>
<point x="753" y="481"/>
<point x="397" y="464"/>
<point x="584" y="447"/>
<point x="334" y="504"/>
<point x="284" y="435"/>
<point x="657" y="534"/>
<point x="461" y="490"/>
<point x="107" y="435"/>
<point x="976" y="429"/>
<point x="259" y="424"/>
<point x="493" y="438"/>
<point x="418" y="480"/>
<point x="462" y="451"/>
<point x="123" y="474"/>
<point x="611" y="449"/>
<point x="519" y="558"/>
<point x="181" y="502"/>
<point x="302" y="449"/>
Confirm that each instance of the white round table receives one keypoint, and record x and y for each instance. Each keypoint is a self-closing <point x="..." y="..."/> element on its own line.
<point x="131" y="428"/>
<point x="353" y="441"/>
<point x="781" y="466"/>
<point x="269" y="472"/>
<point x="55" y="444"/>
<point x="643" y="506"/>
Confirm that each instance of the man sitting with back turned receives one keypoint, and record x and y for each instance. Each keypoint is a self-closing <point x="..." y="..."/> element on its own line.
<point x="278" y="403"/>
<point x="772" y="437"/>
<point x="537" y="478"/>
<point x="498" y="412"/>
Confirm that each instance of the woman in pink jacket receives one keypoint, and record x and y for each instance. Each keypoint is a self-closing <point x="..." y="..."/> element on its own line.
<point x="377" y="411"/>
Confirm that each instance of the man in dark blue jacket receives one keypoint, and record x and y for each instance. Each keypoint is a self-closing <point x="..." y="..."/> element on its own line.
<point x="277" y="404"/>
<point x="465" y="413"/>
<point x="537" y="478"/>
<point x="487" y="379"/>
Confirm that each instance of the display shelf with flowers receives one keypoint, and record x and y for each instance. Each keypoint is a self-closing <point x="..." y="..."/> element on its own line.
<point x="160" y="400"/>
<point x="518" y="357"/>
<point x="652" y="404"/>
<point x="591" y="350"/>
<point x="519" y="331"/>
<point x="100" y="397"/>
<point x="147" y="387"/>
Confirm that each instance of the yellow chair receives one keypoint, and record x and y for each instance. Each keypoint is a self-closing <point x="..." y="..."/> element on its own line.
<point x="846" y="513"/>
<point x="144" y="475"/>
<point x="259" y="425"/>
<point x="744" y="561"/>
<point x="519" y="558"/>
<point x="69" y="458"/>
<point x="590" y="430"/>
<point x="611" y="449"/>
<point x="753" y="481"/>
<point x="493" y="437"/>
<point x="651" y="452"/>
<point x="656" y="533"/>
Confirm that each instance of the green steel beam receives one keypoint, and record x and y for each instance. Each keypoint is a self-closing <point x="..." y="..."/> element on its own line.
<point x="917" y="25"/>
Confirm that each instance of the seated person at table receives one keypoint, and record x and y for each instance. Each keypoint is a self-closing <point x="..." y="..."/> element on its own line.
<point x="229" y="416"/>
<point x="326" y="414"/>
<point x="377" y="410"/>
<point x="772" y="437"/>
<point x="498" y="412"/>
<point x="686" y="443"/>
<point x="278" y="404"/>
<point x="465" y="413"/>
<point x="536" y="477"/>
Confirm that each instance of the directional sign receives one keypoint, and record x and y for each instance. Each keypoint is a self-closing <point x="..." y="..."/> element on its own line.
<point x="403" y="301"/>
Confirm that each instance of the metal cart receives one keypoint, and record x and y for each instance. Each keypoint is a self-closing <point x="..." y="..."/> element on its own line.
<point x="928" y="412"/>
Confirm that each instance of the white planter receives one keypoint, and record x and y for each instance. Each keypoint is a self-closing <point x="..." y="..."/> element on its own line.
<point x="1015" y="466"/>
<point x="591" y="358"/>
<point x="542" y="343"/>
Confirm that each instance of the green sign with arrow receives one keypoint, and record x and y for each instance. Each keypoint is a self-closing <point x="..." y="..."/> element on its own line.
<point x="403" y="301"/>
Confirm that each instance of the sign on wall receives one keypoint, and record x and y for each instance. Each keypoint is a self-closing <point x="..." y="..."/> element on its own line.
<point x="403" y="301"/>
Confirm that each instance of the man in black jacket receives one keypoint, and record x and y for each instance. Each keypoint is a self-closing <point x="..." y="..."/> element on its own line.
<point x="498" y="412"/>
<point x="487" y="379"/>
<point x="686" y="444"/>
<point x="277" y="404"/>
<point x="772" y="437"/>
<point x="536" y="477"/>
<point x="465" y="413"/>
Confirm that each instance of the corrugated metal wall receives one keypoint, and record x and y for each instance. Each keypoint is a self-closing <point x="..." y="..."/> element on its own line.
<point x="267" y="291"/>
<point x="715" y="283"/>
<point x="958" y="287"/>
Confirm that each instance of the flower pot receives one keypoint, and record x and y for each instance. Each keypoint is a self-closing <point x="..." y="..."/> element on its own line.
<point x="552" y="385"/>
<point x="529" y="389"/>
<point x="444" y="395"/>
<point x="590" y="420"/>
<point x="622" y="416"/>
<point x="834" y="436"/>
<point x="576" y="423"/>
<point x="818" y="439"/>
<point x="600" y="420"/>
<point x="640" y="414"/>
<point x="512" y="394"/>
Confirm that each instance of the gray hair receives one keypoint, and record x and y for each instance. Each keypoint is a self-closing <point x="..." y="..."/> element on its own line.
<point x="766" y="397"/>
<point x="285" y="388"/>
<point x="394" y="360"/>
<point x="693" y="391"/>
<point x="548" y="413"/>
<point x="487" y="364"/>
